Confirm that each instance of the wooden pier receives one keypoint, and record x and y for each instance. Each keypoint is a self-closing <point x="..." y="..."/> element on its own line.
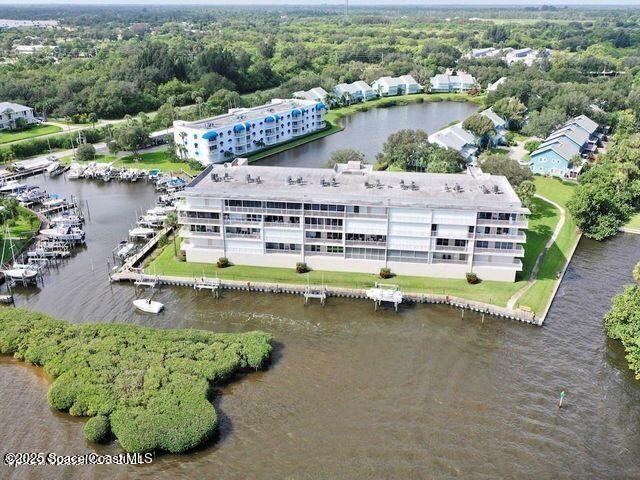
<point x="131" y="275"/>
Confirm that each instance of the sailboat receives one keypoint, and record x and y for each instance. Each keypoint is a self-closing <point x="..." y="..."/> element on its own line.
<point x="18" y="272"/>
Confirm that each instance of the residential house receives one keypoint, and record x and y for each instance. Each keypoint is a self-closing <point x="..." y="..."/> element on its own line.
<point x="484" y="52"/>
<point x="528" y="56"/>
<point x="492" y="87"/>
<point x="500" y="127"/>
<point x="448" y="82"/>
<point x="390" y="86"/>
<point x="457" y="138"/>
<point x="577" y="138"/>
<point x="318" y="94"/>
<point x="358" y="91"/>
<point x="11" y="113"/>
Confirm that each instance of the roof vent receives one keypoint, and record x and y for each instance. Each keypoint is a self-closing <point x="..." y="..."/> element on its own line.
<point x="402" y="185"/>
<point x="299" y="180"/>
<point x="457" y="188"/>
<point x="289" y="180"/>
<point x="215" y="177"/>
<point x="496" y="190"/>
<point x="249" y="179"/>
<point x="227" y="177"/>
<point x="414" y="186"/>
<point x="324" y="183"/>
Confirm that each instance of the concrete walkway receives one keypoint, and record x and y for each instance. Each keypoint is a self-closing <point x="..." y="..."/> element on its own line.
<point x="536" y="267"/>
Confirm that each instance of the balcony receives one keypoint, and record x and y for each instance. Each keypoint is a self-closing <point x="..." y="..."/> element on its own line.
<point x="366" y="215"/>
<point x="440" y="261"/>
<point x="510" y="223"/>
<point x="240" y="221"/>
<point x="243" y="236"/>
<point x="281" y="225"/>
<point x="191" y="233"/>
<point x="323" y="241"/>
<point x="450" y="248"/>
<point x="286" y="252"/>
<point x="323" y="227"/>
<point x="518" y="251"/>
<point x="184" y="220"/>
<point x="364" y="243"/>
<point x="519" y="238"/>
<point x="323" y="213"/>
<point x="324" y="254"/>
<point x="517" y="264"/>
<point x="274" y="211"/>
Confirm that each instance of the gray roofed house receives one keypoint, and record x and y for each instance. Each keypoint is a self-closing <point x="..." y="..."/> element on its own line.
<point x="585" y="123"/>
<point x="456" y="138"/>
<point x="562" y="146"/>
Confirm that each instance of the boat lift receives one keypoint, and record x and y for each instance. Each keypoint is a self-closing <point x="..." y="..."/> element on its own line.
<point x="385" y="292"/>
<point x="212" y="284"/>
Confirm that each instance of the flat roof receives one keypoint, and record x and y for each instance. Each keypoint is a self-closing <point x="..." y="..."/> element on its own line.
<point x="239" y="115"/>
<point x="357" y="185"/>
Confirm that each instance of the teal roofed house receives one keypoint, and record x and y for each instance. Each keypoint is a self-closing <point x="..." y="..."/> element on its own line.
<point x="558" y="155"/>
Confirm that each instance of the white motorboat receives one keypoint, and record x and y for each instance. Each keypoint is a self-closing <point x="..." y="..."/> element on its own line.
<point x="67" y="220"/>
<point x="141" y="232"/>
<point x="53" y="166"/>
<point x="148" y="305"/>
<point x="151" y="221"/>
<point x="13" y="186"/>
<point x="125" y="249"/>
<point x="162" y="210"/>
<point x="54" y="201"/>
<point x="65" y="234"/>
<point x="22" y="273"/>
<point x="76" y="171"/>
<point x="31" y="195"/>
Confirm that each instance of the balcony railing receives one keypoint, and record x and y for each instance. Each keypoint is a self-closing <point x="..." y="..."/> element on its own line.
<point x="366" y="215"/>
<point x="323" y="227"/>
<point x="323" y="213"/>
<point x="281" y="225"/>
<point x="519" y="238"/>
<point x="511" y="223"/>
<point x="450" y="248"/>
<point x="519" y="251"/>
<point x="324" y="254"/>
<point x="517" y="264"/>
<point x="448" y="262"/>
<point x="191" y="233"/>
<point x="287" y="252"/>
<point x="323" y="241"/>
<point x="198" y="221"/>
<point x="364" y="243"/>
<point x="243" y="236"/>
<point x="275" y="211"/>
<point x="239" y="221"/>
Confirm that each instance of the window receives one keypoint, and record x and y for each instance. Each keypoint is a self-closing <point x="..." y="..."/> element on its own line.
<point x="482" y="244"/>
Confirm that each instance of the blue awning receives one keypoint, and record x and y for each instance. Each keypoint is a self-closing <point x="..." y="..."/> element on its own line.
<point x="320" y="106"/>
<point x="212" y="135"/>
<point x="278" y="117"/>
<point x="295" y="112"/>
<point x="269" y="119"/>
<point x="247" y="124"/>
<point x="238" y="128"/>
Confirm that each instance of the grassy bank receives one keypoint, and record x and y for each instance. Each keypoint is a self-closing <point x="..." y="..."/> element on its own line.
<point x="537" y="297"/>
<point x="21" y="230"/>
<point x="150" y="387"/>
<point x="634" y="222"/>
<point x="37" y="131"/>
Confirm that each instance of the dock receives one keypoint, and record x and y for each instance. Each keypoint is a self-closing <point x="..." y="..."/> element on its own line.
<point x="387" y="293"/>
<point x="525" y="316"/>
<point x="212" y="284"/>
<point x="320" y="294"/>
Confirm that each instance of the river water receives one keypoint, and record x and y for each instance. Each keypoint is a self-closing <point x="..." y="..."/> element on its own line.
<point x="355" y="393"/>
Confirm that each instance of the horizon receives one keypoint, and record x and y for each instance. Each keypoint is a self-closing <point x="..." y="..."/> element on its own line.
<point x="307" y="3"/>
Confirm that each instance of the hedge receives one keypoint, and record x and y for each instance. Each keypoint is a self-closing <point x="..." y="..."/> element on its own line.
<point x="148" y="387"/>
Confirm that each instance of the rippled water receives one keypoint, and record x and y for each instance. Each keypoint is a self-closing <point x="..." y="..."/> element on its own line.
<point x="355" y="393"/>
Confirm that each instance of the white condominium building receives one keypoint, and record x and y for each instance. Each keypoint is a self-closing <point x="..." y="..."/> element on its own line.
<point x="245" y="130"/>
<point x="318" y="94"/>
<point x="390" y="86"/>
<point x="12" y="113"/>
<point x="353" y="219"/>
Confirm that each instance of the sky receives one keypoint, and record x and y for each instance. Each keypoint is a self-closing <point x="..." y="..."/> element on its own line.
<point x="337" y="2"/>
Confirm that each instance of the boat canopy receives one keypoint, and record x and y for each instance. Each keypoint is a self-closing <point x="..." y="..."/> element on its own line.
<point x="211" y="135"/>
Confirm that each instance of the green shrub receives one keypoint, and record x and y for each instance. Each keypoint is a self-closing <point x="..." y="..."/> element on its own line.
<point x="223" y="262"/>
<point x="97" y="429"/>
<point x="472" y="278"/>
<point x="302" y="267"/>
<point x="385" y="273"/>
<point x="531" y="145"/>
<point x="149" y="387"/>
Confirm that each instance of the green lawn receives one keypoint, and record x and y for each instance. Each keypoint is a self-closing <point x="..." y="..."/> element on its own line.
<point x="554" y="261"/>
<point x="634" y="221"/>
<point x="21" y="230"/>
<point x="146" y="161"/>
<point x="36" y="131"/>
<point x="331" y="129"/>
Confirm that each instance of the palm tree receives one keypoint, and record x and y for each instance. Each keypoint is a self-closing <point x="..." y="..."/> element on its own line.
<point x="172" y="222"/>
<point x="181" y="147"/>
